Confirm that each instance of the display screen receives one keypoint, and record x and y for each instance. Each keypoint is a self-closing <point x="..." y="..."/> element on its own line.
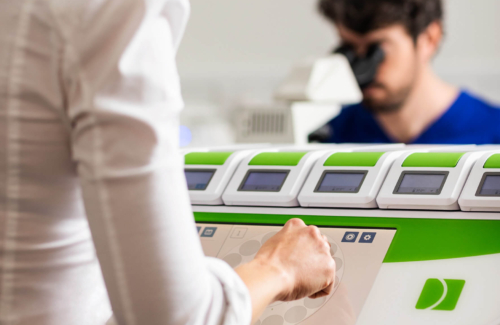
<point x="490" y="185"/>
<point x="341" y="182"/>
<point x="264" y="181"/>
<point x="198" y="179"/>
<point x="421" y="183"/>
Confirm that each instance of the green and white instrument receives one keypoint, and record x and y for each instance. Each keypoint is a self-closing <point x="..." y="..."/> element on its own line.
<point x="347" y="179"/>
<point x="394" y="266"/>
<point x="208" y="173"/>
<point x="427" y="180"/>
<point x="482" y="190"/>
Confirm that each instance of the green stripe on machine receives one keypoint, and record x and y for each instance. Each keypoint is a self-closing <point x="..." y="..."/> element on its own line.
<point x="493" y="161"/>
<point x="415" y="239"/>
<point x="206" y="158"/>
<point x="433" y="159"/>
<point x="277" y="159"/>
<point x="353" y="159"/>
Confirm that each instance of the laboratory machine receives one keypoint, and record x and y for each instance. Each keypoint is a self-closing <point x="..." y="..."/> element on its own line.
<point x="320" y="85"/>
<point x="427" y="180"/>
<point x="209" y="171"/>
<point x="348" y="179"/>
<point x="482" y="190"/>
<point x="275" y="176"/>
<point x="419" y="260"/>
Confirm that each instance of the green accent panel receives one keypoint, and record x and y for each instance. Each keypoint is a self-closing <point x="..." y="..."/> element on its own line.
<point x="277" y="159"/>
<point x="207" y="158"/>
<point x="454" y="291"/>
<point x="431" y="293"/>
<point x="415" y="239"/>
<point x="433" y="159"/>
<point x="493" y="161"/>
<point x="354" y="159"/>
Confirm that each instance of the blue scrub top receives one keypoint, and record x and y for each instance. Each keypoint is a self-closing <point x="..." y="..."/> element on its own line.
<point x="469" y="120"/>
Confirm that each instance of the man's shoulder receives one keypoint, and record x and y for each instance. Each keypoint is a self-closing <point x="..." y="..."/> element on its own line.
<point x="351" y="113"/>
<point x="478" y="104"/>
<point x="478" y="113"/>
<point x="355" y="124"/>
<point x="477" y="117"/>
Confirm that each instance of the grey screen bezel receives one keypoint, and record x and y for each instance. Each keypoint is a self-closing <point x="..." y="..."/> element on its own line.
<point x="331" y="171"/>
<point x="287" y="171"/>
<point x="404" y="173"/>
<point x="481" y="184"/>
<point x="201" y="170"/>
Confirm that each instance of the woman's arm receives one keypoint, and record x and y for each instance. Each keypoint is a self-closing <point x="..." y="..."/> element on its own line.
<point x="124" y="102"/>
<point x="123" y="109"/>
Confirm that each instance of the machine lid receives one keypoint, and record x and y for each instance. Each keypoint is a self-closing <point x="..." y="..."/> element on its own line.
<point x="207" y="158"/>
<point x="493" y="161"/>
<point x="277" y="159"/>
<point x="433" y="159"/>
<point x="353" y="159"/>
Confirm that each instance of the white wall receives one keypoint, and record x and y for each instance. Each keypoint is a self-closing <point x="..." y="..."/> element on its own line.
<point x="238" y="50"/>
<point x="471" y="53"/>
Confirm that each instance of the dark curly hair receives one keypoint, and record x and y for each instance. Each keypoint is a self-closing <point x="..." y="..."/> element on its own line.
<point x="363" y="16"/>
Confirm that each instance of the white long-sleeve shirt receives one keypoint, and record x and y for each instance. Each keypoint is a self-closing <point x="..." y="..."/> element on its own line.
<point x="89" y="107"/>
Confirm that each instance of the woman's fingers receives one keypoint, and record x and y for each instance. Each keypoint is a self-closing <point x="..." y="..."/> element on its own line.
<point x="325" y="292"/>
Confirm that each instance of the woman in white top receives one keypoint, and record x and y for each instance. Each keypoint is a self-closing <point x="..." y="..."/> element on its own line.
<point x="89" y="106"/>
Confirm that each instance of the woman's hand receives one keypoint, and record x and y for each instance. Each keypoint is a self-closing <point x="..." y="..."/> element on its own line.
<point x="293" y="264"/>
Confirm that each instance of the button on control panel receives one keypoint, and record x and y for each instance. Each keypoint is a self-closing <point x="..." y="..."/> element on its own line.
<point x="367" y="237"/>
<point x="350" y="237"/>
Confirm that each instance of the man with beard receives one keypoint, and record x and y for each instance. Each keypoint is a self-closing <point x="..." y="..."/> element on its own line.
<point x="406" y="101"/>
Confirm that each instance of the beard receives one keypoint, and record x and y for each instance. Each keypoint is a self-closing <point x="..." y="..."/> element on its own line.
<point x="394" y="100"/>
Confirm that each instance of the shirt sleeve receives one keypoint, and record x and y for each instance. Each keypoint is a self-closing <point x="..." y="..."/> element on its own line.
<point x="123" y="105"/>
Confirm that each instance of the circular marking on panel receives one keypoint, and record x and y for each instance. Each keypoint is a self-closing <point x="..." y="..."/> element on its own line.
<point x="314" y="303"/>
<point x="273" y="320"/>
<point x="249" y="248"/>
<point x="233" y="259"/>
<point x="295" y="314"/>
<point x="276" y="303"/>
<point x="338" y="262"/>
<point x="267" y="236"/>
<point x="286" y="313"/>
<point x="333" y="249"/>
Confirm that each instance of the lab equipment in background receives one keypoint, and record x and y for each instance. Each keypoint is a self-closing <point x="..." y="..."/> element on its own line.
<point x="313" y="94"/>
<point x="365" y="67"/>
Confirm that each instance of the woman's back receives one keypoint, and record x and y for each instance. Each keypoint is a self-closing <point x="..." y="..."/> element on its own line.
<point x="49" y="273"/>
<point x="89" y="116"/>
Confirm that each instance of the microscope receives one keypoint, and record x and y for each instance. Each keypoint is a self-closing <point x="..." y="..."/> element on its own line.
<point x="313" y="93"/>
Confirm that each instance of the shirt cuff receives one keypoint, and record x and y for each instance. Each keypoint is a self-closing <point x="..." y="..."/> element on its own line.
<point x="239" y="303"/>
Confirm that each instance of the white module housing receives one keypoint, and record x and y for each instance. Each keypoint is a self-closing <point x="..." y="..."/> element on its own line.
<point x="208" y="173"/>
<point x="427" y="180"/>
<point x="347" y="179"/>
<point x="270" y="178"/>
<point x="482" y="190"/>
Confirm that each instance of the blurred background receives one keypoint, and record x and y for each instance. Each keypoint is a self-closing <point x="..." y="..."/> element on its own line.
<point x="236" y="52"/>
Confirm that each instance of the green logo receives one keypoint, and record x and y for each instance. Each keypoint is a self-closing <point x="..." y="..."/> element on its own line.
<point x="440" y="294"/>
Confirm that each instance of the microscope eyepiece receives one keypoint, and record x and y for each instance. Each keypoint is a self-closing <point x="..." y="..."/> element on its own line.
<point x="364" y="67"/>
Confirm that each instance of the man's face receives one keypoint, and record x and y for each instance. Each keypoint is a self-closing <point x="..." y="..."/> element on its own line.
<point x="397" y="73"/>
